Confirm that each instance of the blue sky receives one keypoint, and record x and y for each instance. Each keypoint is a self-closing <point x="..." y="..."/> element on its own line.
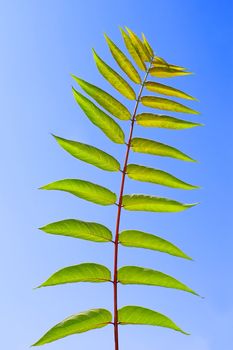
<point x="42" y="42"/>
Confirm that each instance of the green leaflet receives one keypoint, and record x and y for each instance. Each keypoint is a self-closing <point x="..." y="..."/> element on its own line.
<point x="107" y="101"/>
<point x="90" y="231"/>
<point x="159" y="149"/>
<point x="166" y="104"/>
<point x="110" y="128"/>
<point x="79" y="323"/>
<point x="132" y="51"/>
<point x="156" y="176"/>
<point x="123" y="61"/>
<point x="139" y="46"/>
<point x="141" y="275"/>
<point x="160" y="62"/>
<point x="147" y="45"/>
<point x="161" y="71"/>
<point x="139" y="239"/>
<point x="141" y="202"/>
<point x="167" y="90"/>
<point x="89" y="154"/>
<point x="164" y="121"/>
<point x="85" y="190"/>
<point x="86" y="272"/>
<point x="114" y="78"/>
<point x="138" y="315"/>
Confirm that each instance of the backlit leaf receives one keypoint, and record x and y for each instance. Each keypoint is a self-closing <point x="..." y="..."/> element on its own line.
<point x="147" y="45"/>
<point x="123" y="61"/>
<point x="166" y="90"/>
<point x="160" y="62"/>
<point x="139" y="239"/>
<point x="139" y="46"/>
<point x="161" y="71"/>
<point x="86" y="272"/>
<point x="104" y="99"/>
<point x="79" y="323"/>
<point x="138" y="315"/>
<point x="90" y="231"/>
<point x="89" y="154"/>
<point x="164" y="121"/>
<point x="114" y="78"/>
<point x="166" y="104"/>
<point x="142" y="275"/>
<point x="159" y="149"/>
<point x="110" y="128"/>
<point x="132" y="51"/>
<point x="156" y="176"/>
<point x="141" y="202"/>
<point x="85" y="190"/>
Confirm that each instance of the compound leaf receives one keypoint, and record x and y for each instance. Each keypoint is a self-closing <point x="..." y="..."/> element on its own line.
<point x="164" y="121"/>
<point x="132" y="51"/>
<point x="99" y="118"/>
<point x="86" y="272"/>
<point x="159" y="149"/>
<point x="142" y="275"/>
<point x="90" y="231"/>
<point x="139" y="239"/>
<point x="138" y="315"/>
<point x="89" y="154"/>
<point x="166" y="90"/>
<point x="114" y="78"/>
<point x="106" y="100"/>
<point x="166" y="104"/>
<point x="79" y="323"/>
<point x="123" y="62"/>
<point x="141" y="202"/>
<point x="156" y="176"/>
<point x="85" y="190"/>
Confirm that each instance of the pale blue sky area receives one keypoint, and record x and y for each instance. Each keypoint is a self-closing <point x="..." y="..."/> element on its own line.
<point x="42" y="42"/>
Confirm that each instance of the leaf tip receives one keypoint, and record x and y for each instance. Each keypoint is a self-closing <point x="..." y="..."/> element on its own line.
<point x="192" y="205"/>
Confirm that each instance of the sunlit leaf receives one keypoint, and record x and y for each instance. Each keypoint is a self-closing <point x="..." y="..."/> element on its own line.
<point x="160" y="62"/>
<point x="164" y="121"/>
<point x="110" y="128"/>
<point x="139" y="239"/>
<point x="123" y="61"/>
<point x="86" y="272"/>
<point x="166" y="104"/>
<point x="132" y="51"/>
<point x="159" y="149"/>
<point x="138" y="315"/>
<point x="89" y="154"/>
<point x="141" y="202"/>
<point x="161" y="71"/>
<point x="156" y="176"/>
<point x="142" y="275"/>
<point x="166" y="90"/>
<point x="85" y="190"/>
<point x="104" y="99"/>
<point x="90" y="231"/>
<point x="79" y="323"/>
<point x="139" y="46"/>
<point x="114" y="78"/>
<point x="147" y="45"/>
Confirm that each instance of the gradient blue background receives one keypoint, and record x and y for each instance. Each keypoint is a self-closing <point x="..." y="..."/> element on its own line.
<point x="42" y="42"/>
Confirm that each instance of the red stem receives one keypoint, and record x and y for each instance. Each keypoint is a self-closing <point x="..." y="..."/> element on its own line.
<point x="118" y="219"/>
